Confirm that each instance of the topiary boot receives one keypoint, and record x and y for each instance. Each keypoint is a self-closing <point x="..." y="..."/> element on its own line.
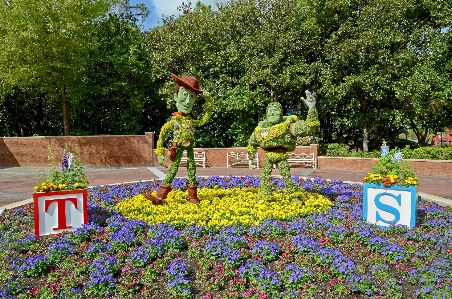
<point x="193" y="194"/>
<point x="162" y="193"/>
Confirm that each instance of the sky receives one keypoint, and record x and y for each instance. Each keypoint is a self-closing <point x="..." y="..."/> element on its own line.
<point x="165" y="7"/>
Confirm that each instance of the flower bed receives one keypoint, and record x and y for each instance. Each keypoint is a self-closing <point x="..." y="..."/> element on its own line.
<point x="328" y="254"/>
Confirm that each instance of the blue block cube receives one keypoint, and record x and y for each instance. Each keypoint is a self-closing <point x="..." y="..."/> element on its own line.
<point x="386" y="206"/>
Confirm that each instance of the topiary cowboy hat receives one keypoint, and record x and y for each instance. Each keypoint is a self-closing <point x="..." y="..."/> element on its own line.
<point x="187" y="81"/>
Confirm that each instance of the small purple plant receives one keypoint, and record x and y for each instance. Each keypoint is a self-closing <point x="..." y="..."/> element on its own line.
<point x="256" y="273"/>
<point x="102" y="276"/>
<point x="67" y="160"/>
<point x="178" y="281"/>
<point x="295" y="277"/>
<point x="269" y="250"/>
<point x="35" y="265"/>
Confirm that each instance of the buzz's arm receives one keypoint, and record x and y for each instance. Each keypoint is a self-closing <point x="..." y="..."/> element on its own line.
<point x="208" y="109"/>
<point x="253" y="144"/>
<point x="306" y="127"/>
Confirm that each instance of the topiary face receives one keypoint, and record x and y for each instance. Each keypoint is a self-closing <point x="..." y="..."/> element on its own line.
<point x="274" y="115"/>
<point x="185" y="99"/>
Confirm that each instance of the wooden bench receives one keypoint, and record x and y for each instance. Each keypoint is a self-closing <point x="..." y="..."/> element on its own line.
<point x="199" y="157"/>
<point x="240" y="159"/>
<point x="302" y="160"/>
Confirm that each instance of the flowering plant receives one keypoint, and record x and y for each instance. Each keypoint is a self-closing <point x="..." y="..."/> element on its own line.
<point x="391" y="170"/>
<point x="71" y="176"/>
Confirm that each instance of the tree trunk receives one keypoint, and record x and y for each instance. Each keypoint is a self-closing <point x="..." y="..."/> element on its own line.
<point x="365" y="139"/>
<point x="420" y="134"/>
<point x="65" y="111"/>
<point x="376" y="139"/>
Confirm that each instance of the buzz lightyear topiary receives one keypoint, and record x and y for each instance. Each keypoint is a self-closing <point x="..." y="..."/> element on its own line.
<point x="277" y="136"/>
<point x="183" y="126"/>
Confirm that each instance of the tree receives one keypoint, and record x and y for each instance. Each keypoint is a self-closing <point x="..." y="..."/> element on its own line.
<point x="257" y="58"/>
<point x="26" y="110"/>
<point x="118" y="94"/>
<point x="366" y="57"/>
<point x="360" y="63"/>
<point x="425" y="88"/>
<point x="46" y="43"/>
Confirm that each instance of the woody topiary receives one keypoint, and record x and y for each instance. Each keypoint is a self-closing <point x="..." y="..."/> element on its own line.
<point x="183" y="127"/>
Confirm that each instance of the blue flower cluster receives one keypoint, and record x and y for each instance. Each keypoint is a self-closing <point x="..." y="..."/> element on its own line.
<point x="23" y="244"/>
<point x="13" y="286"/>
<point x="102" y="278"/>
<point x="295" y="276"/>
<point x="178" y="281"/>
<point x="59" y="249"/>
<point x="332" y="258"/>
<point x="255" y="272"/>
<point x="197" y="232"/>
<point x="269" y="250"/>
<point x="166" y="236"/>
<point x="95" y="249"/>
<point x="146" y="253"/>
<point x="109" y="195"/>
<point x="218" y="248"/>
<point x="124" y="232"/>
<point x="365" y="232"/>
<point x="86" y="232"/>
<point x="34" y="265"/>
<point x="269" y="227"/>
<point x="436" y="277"/>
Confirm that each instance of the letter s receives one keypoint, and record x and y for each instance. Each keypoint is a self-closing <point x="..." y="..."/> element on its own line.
<point x="387" y="208"/>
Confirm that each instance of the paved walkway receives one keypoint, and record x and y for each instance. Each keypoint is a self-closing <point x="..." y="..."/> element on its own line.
<point x="16" y="183"/>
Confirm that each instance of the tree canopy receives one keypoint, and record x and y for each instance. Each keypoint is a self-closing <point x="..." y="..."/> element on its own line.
<point x="378" y="66"/>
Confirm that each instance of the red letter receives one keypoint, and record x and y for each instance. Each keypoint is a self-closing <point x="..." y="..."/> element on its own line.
<point x="61" y="210"/>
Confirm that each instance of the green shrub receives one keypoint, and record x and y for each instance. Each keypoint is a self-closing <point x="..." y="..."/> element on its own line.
<point x="343" y="150"/>
<point x="403" y="143"/>
<point x="408" y="152"/>
<point x="429" y="152"/>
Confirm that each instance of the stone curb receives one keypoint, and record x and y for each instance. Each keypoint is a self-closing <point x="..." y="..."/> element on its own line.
<point x="444" y="202"/>
<point x="16" y="204"/>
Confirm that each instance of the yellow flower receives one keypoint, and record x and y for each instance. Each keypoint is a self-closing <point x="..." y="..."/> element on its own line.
<point x="219" y="207"/>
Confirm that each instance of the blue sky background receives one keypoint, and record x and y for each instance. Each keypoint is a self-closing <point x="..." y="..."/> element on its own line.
<point x="165" y="7"/>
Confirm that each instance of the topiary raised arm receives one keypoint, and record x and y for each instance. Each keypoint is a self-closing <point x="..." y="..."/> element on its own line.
<point x="306" y="127"/>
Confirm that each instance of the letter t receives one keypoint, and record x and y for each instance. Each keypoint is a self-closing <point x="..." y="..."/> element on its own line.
<point x="61" y="206"/>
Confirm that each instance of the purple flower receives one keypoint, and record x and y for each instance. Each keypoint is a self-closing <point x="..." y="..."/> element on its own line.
<point x="268" y="227"/>
<point x="178" y="281"/>
<point x="86" y="231"/>
<point x="35" y="265"/>
<point x="295" y="276"/>
<point x="68" y="158"/>
<point x="13" y="286"/>
<point x="102" y="275"/>
<point x="265" y="279"/>
<point x="96" y="248"/>
<point x="59" y="250"/>
<point x="146" y="253"/>
<point x="269" y="250"/>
